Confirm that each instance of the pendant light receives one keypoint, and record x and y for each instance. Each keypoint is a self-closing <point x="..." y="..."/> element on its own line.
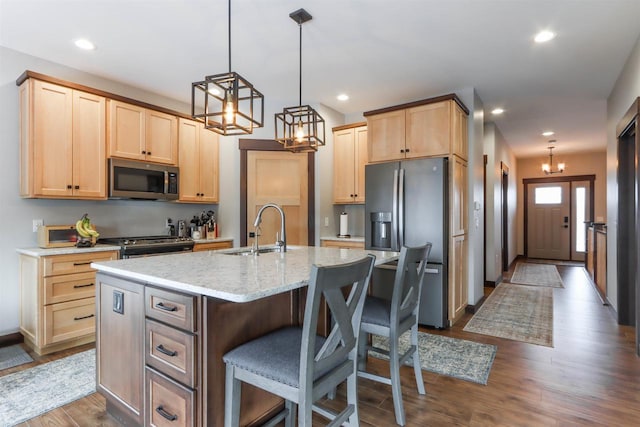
<point x="228" y="103"/>
<point x="547" y="168"/>
<point x="301" y="128"/>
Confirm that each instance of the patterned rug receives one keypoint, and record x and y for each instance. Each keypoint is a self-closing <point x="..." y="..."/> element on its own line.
<point x="462" y="359"/>
<point x="32" y="392"/>
<point x="537" y="275"/>
<point x="516" y="312"/>
<point x="13" y="355"/>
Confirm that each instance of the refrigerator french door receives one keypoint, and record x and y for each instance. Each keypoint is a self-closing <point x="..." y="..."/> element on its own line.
<point x="407" y="204"/>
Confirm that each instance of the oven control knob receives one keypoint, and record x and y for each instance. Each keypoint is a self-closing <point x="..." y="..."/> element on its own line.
<point x="125" y="242"/>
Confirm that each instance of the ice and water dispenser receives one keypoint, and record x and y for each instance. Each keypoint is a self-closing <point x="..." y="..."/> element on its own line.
<point x="381" y="230"/>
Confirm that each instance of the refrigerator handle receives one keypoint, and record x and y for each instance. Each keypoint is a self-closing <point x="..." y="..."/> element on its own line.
<point x="394" y="214"/>
<point x="401" y="210"/>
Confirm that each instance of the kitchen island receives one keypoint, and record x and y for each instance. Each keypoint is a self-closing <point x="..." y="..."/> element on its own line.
<point x="164" y="322"/>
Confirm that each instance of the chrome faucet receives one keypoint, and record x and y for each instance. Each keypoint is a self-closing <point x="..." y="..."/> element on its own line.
<point x="281" y="241"/>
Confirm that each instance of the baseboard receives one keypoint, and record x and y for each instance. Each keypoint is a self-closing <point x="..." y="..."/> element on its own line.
<point x="493" y="284"/>
<point x="11" y="339"/>
<point x="473" y="308"/>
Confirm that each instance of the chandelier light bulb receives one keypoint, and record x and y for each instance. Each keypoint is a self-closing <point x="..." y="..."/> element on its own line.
<point x="300" y="132"/>
<point x="229" y="108"/>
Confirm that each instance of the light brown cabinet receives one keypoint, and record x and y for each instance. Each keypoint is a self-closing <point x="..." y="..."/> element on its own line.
<point x="57" y="305"/>
<point x="211" y="246"/>
<point x="198" y="163"/>
<point x="458" y="196"/>
<point x="139" y="133"/>
<point x="341" y="244"/>
<point x="349" y="159"/>
<point x="458" y="287"/>
<point x="62" y="142"/>
<point x="430" y="128"/>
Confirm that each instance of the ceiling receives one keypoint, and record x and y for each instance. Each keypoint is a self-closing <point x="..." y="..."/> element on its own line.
<point x="379" y="52"/>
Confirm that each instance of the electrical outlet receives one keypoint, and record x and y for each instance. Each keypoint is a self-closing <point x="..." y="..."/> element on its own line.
<point x="326" y="221"/>
<point x="168" y="222"/>
<point x="37" y="223"/>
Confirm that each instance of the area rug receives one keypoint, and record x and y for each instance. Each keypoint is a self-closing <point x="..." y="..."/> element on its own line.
<point x="516" y="312"/>
<point x="536" y="275"/>
<point x="32" y="392"/>
<point x="462" y="359"/>
<point x="13" y="355"/>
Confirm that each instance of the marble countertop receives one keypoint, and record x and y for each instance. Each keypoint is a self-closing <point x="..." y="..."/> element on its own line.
<point x="344" y="239"/>
<point x="38" y="252"/>
<point x="235" y="278"/>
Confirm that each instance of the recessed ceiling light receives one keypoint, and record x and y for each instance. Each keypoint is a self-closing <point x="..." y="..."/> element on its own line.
<point x="85" y="44"/>
<point x="343" y="97"/>
<point x="544" y="36"/>
<point x="497" y="111"/>
<point x="547" y="133"/>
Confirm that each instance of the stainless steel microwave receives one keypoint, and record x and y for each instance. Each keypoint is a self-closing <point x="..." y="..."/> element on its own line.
<point x="130" y="179"/>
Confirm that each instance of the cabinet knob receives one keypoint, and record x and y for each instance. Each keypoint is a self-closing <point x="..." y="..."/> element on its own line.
<point x="69" y="187"/>
<point x="402" y="151"/>
<point x="77" y="187"/>
<point x="144" y="152"/>
<point x="149" y="152"/>
<point x="355" y="195"/>
<point x="350" y="195"/>
<point x="406" y="151"/>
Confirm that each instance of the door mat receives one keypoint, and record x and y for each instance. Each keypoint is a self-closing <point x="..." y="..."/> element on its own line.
<point x="516" y="312"/>
<point x="13" y="355"/>
<point x="34" y="391"/>
<point x="537" y="275"/>
<point x="462" y="359"/>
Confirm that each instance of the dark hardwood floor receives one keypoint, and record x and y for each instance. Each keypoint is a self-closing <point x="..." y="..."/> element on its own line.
<point x="590" y="377"/>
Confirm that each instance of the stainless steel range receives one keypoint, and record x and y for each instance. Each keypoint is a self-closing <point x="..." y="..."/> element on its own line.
<point x="132" y="247"/>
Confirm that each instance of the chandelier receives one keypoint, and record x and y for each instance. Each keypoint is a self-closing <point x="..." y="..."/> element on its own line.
<point x="227" y="103"/>
<point x="547" y="168"/>
<point x="300" y="128"/>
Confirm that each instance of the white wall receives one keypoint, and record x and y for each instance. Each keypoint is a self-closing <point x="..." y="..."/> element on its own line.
<point x="625" y="91"/>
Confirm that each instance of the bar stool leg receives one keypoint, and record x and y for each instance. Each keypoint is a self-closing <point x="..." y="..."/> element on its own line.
<point x="231" y="398"/>
<point x="417" y="369"/>
<point x="394" y="366"/>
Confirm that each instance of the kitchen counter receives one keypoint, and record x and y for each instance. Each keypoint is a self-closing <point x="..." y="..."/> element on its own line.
<point x="234" y="278"/>
<point x="39" y="252"/>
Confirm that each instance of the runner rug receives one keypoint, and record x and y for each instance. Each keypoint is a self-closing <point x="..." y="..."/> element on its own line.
<point x="462" y="359"/>
<point x="34" y="391"/>
<point x="13" y="355"/>
<point x="537" y="275"/>
<point x="516" y="312"/>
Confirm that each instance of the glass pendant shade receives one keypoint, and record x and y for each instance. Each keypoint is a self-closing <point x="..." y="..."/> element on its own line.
<point x="547" y="168"/>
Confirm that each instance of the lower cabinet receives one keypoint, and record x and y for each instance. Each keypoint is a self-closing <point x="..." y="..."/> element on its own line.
<point x="211" y="246"/>
<point x="341" y="244"/>
<point x="458" y="288"/>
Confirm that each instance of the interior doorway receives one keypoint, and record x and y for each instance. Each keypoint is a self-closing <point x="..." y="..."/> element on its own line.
<point x="505" y="216"/>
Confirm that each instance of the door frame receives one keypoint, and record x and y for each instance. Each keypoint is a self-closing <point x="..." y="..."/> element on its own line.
<point x="550" y="180"/>
<point x="504" y="174"/>
<point x="245" y="145"/>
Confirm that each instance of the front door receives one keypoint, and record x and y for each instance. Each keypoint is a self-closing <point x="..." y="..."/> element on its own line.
<point x="278" y="177"/>
<point x="548" y="223"/>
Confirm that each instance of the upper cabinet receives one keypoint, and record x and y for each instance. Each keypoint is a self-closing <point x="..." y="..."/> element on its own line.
<point x="349" y="160"/>
<point x="430" y="128"/>
<point x="199" y="162"/>
<point x="139" y="133"/>
<point x="62" y="142"/>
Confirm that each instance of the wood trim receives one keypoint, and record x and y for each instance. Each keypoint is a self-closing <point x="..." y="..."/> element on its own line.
<point x="447" y="97"/>
<point x="43" y="77"/>
<point x="245" y="145"/>
<point x="349" y="126"/>
<point x="568" y="178"/>
<point x="629" y="118"/>
<point x="11" y="339"/>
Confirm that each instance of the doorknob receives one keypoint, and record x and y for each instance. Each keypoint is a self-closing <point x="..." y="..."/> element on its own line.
<point x="565" y="226"/>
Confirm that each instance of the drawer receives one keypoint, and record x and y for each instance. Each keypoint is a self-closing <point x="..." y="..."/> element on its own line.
<point x="169" y="307"/>
<point x="342" y="244"/>
<point x="68" y="320"/>
<point x="69" y="287"/>
<point x="74" y="263"/>
<point x="168" y="403"/>
<point x="171" y="352"/>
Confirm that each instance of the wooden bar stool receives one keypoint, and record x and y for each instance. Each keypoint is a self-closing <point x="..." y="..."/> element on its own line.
<point x="297" y="364"/>
<point x="391" y="319"/>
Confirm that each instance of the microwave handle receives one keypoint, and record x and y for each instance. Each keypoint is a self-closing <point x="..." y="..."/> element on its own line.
<point x="166" y="182"/>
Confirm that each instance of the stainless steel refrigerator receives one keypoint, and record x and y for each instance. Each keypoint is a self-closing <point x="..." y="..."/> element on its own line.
<point x="407" y="204"/>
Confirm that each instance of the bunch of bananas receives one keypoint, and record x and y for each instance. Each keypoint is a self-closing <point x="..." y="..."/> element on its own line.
<point x="84" y="227"/>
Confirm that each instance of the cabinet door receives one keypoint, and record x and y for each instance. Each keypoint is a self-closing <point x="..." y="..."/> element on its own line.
<point x="459" y="213"/>
<point x="126" y="131"/>
<point x="89" y="146"/>
<point x="458" y="293"/>
<point x="161" y="137"/>
<point x="386" y="135"/>
<point x="459" y="131"/>
<point x="209" y="165"/>
<point x="343" y="166"/>
<point x="52" y="140"/>
<point x="120" y="349"/>
<point x="428" y="130"/>
<point x="361" y="159"/>
<point x="188" y="160"/>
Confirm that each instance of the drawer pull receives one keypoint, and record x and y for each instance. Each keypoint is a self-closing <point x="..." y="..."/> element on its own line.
<point x="165" y="414"/>
<point x="163" y="350"/>
<point x="161" y="306"/>
<point x="82" y="263"/>
<point x="84" y="317"/>
<point x="82" y="286"/>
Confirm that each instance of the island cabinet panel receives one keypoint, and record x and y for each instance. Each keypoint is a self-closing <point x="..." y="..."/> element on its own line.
<point x="120" y="347"/>
<point x="62" y="139"/>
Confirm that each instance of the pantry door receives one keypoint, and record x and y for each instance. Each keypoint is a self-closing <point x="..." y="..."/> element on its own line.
<point x="284" y="178"/>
